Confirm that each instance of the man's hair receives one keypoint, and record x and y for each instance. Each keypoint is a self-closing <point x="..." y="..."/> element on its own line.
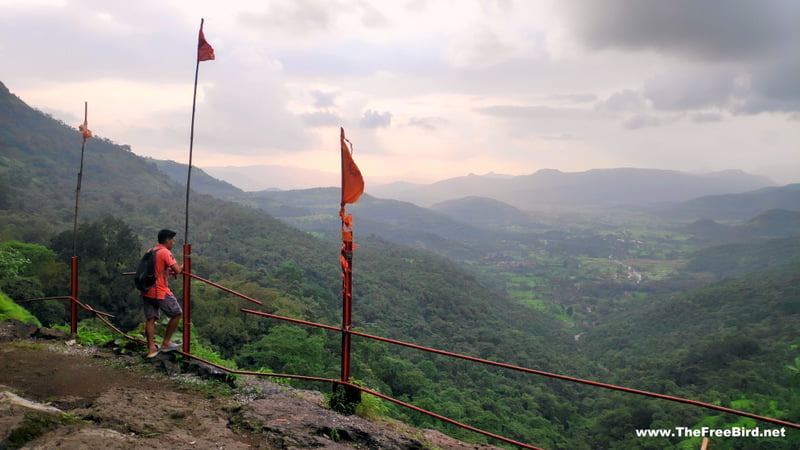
<point x="165" y="234"/>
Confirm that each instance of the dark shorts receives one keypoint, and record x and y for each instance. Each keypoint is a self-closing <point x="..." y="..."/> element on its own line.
<point x="169" y="305"/>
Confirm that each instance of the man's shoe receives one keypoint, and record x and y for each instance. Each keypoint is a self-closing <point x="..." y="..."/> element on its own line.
<point x="170" y="347"/>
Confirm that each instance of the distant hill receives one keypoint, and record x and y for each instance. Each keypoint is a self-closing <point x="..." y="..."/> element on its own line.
<point x="711" y="231"/>
<point x="600" y="187"/>
<point x="775" y="223"/>
<point x="738" y="206"/>
<point x="483" y="211"/>
<point x="267" y="177"/>
<point x="725" y="261"/>
<point x="201" y="181"/>
<point x="317" y="210"/>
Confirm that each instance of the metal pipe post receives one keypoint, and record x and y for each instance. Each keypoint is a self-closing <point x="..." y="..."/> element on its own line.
<point x="187" y="297"/>
<point x="347" y="305"/>
<point x="73" y="304"/>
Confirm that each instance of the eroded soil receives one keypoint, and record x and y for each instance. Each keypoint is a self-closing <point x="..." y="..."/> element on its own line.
<point x="54" y="394"/>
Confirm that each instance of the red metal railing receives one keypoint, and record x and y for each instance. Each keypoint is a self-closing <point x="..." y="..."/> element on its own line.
<point x="347" y="331"/>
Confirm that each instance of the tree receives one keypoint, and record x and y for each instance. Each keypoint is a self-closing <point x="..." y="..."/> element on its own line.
<point x="289" y="349"/>
<point x="794" y="369"/>
<point x="106" y="249"/>
<point x="24" y="274"/>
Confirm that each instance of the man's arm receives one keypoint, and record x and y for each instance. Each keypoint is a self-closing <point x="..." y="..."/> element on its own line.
<point x="176" y="268"/>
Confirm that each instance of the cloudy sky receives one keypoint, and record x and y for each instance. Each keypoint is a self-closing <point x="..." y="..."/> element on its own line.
<point x="425" y="89"/>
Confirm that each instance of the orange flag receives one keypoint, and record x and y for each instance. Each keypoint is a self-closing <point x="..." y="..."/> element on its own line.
<point x="352" y="181"/>
<point x="85" y="131"/>
<point x="204" y="50"/>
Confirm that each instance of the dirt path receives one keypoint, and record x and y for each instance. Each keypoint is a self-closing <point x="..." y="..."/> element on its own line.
<point x="55" y="395"/>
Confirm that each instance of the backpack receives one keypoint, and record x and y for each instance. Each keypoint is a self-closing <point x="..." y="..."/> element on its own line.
<point x="145" y="276"/>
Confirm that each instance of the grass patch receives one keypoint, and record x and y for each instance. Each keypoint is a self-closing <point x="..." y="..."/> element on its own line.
<point x="36" y="425"/>
<point x="28" y="345"/>
<point x="10" y="310"/>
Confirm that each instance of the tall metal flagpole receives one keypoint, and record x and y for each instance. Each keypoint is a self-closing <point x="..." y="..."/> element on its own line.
<point x="191" y="145"/>
<point x="73" y="304"/>
<point x="204" y="53"/>
<point x="78" y="189"/>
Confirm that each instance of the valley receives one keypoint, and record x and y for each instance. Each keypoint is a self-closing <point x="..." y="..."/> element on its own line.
<point x="684" y="298"/>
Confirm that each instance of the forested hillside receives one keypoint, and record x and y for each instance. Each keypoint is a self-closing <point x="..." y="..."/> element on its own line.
<point x="733" y="343"/>
<point x="399" y="293"/>
<point x="738" y="206"/>
<point x="604" y="294"/>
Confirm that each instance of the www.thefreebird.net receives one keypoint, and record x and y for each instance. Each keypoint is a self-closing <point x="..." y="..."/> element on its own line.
<point x="735" y="432"/>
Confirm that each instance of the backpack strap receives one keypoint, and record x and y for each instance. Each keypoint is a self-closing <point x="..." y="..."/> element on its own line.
<point x="155" y="262"/>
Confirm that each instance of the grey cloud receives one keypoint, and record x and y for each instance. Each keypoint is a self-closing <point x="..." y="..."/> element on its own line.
<point x="719" y="30"/>
<point x="706" y="117"/>
<point x="691" y="89"/>
<point x="758" y="104"/>
<point x="300" y="16"/>
<point x="428" y="123"/>
<point x="744" y="52"/>
<point x="538" y="112"/>
<point x="576" y="98"/>
<point x="641" y="121"/>
<point x="245" y="112"/>
<point x="781" y="79"/>
<point x="371" y="17"/>
<point x="512" y="111"/>
<point x="321" y="119"/>
<point x="375" y="119"/>
<point x="773" y="87"/>
<point x="323" y="99"/>
<point x="84" y="48"/>
<point x="362" y="58"/>
<point x="312" y="16"/>
<point x="482" y="48"/>
<point x="558" y="137"/>
<point x="623" y="101"/>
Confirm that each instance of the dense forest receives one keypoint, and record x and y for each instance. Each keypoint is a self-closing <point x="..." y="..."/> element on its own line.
<point x="612" y="295"/>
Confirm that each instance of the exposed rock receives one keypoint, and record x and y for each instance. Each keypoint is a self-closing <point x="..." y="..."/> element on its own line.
<point x="50" y="333"/>
<point x="13" y="329"/>
<point x="58" y="397"/>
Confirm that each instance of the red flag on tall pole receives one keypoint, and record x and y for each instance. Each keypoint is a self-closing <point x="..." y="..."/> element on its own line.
<point x="204" y="50"/>
<point x="204" y="53"/>
<point x="352" y="188"/>
<point x="352" y="181"/>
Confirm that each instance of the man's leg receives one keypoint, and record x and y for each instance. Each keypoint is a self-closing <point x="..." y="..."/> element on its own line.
<point x="171" y="326"/>
<point x="149" y="331"/>
<point x="173" y="309"/>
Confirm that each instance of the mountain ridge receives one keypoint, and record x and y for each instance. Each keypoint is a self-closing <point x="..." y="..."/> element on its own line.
<point x="609" y="187"/>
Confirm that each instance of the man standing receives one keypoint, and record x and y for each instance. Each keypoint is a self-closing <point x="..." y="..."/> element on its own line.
<point x="160" y="298"/>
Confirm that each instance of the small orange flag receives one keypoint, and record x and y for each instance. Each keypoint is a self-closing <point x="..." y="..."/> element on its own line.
<point x="204" y="50"/>
<point x="85" y="131"/>
<point x="352" y="181"/>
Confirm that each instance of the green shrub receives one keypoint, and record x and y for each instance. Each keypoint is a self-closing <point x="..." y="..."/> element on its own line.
<point x="11" y="310"/>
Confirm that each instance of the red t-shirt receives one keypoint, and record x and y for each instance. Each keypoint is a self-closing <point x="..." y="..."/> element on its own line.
<point x="164" y="260"/>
